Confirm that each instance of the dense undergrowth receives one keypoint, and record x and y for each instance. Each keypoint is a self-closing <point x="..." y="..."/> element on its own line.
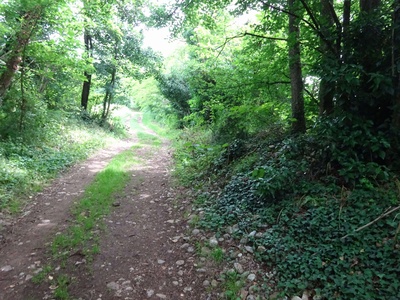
<point x="322" y="209"/>
<point x="28" y="159"/>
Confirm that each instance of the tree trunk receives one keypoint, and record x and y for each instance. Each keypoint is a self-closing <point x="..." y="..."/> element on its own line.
<point x="326" y="88"/>
<point x="28" y="25"/>
<point x="395" y="68"/>
<point x="297" y="87"/>
<point x="346" y="25"/>
<point x="109" y="95"/>
<point x="86" y="84"/>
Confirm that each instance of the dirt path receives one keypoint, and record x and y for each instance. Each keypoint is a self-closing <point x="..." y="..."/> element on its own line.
<point x="144" y="252"/>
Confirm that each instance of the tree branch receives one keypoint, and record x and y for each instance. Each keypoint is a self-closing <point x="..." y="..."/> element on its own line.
<point x="372" y="222"/>
<point x="228" y="39"/>
<point x="264" y="37"/>
<point x="311" y="25"/>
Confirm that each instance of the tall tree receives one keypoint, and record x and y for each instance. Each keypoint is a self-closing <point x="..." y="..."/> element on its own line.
<point x="296" y="78"/>
<point x="87" y="37"/>
<point x="396" y="66"/>
<point x="329" y="58"/>
<point x="28" y="24"/>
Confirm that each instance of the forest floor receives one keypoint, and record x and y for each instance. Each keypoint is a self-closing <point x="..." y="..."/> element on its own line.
<point x="146" y="251"/>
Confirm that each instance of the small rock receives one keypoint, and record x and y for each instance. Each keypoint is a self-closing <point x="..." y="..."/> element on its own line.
<point x="176" y="283"/>
<point x="190" y="249"/>
<point x="261" y="249"/>
<point x="251" y="297"/>
<point x="213" y="242"/>
<point x="149" y="293"/>
<point x="201" y="270"/>
<point x="249" y="249"/>
<point x="7" y="268"/>
<point x="28" y="277"/>
<point x="180" y="262"/>
<point x="214" y="283"/>
<point x="113" y="285"/>
<point x="195" y="231"/>
<point x="160" y="261"/>
<point x="251" y="277"/>
<point x="238" y="267"/>
<point x="185" y="245"/>
<point x="187" y="289"/>
<point x="126" y="282"/>
<point x="161" y="296"/>
<point x="116" y="204"/>
<point x="296" y="298"/>
<point x="253" y="233"/>
<point x="206" y="283"/>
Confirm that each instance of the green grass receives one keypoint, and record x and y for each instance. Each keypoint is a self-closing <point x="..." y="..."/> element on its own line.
<point x="164" y="131"/>
<point x="61" y="292"/>
<point x="232" y="285"/>
<point x="218" y="255"/>
<point x="149" y="139"/>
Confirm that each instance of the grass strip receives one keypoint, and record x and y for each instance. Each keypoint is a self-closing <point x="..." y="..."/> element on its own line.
<point x="87" y="214"/>
<point x="94" y="205"/>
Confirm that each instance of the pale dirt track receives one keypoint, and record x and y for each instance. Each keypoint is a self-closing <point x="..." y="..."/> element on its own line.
<point x="144" y="250"/>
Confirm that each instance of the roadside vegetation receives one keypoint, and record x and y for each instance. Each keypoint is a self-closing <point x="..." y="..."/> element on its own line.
<point x="29" y="161"/>
<point x="317" y="218"/>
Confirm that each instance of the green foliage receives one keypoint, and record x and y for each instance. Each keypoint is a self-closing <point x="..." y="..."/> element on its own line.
<point x="242" y="121"/>
<point x="175" y="88"/>
<point x="307" y="196"/>
<point x="351" y="146"/>
<point x="194" y="155"/>
<point x="29" y="161"/>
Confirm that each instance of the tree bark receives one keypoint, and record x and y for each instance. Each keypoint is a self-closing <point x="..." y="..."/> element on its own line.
<point x="108" y="96"/>
<point x="346" y="25"/>
<point x="326" y="88"/>
<point x="86" y="84"/>
<point x="297" y="86"/>
<point x="28" y="25"/>
<point x="395" y="68"/>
